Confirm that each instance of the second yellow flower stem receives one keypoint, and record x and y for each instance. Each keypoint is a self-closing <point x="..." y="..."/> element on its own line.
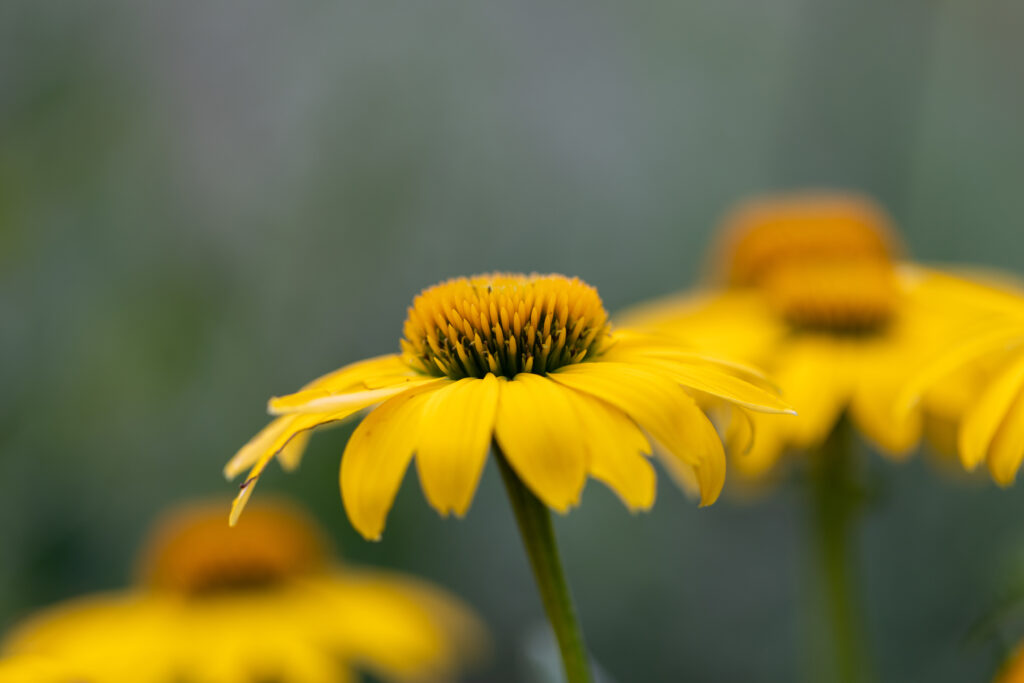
<point x="835" y="499"/>
<point x="538" y="534"/>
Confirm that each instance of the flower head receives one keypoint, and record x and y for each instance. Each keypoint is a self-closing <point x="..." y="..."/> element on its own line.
<point x="809" y="287"/>
<point x="531" y="363"/>
<point x="259" y="602"/>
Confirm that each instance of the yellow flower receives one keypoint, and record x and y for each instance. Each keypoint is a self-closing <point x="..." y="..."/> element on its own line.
<point x="531" y="362"/>
<point x="255" y="603"/>
<point x="974" y="390"/>
<point x="36" y="669"/>
<point x="810" y="288"/>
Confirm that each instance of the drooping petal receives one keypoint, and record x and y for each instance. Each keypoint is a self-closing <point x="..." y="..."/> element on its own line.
<point x="983" y="419"/>
<point x="615" y="446"/>
<point x="324" y="400"/>
<point x="662" y="408"/>
<point x="1007" y="449"/>
<point x="360" y="373"/>
<point x="256" y="447"/>
<point x="288" y="429"/>
<point x="715" y="382"/>
<point x="291" y="455"/>
<point x="377" y="455"/>
<point x="538" y="430"/>
<point x="455" y="435"/>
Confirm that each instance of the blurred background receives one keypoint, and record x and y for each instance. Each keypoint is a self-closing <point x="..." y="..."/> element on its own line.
<point x="206" y="203"/>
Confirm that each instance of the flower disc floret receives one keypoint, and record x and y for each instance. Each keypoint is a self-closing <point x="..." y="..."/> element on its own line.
<point x="504" y="324"/>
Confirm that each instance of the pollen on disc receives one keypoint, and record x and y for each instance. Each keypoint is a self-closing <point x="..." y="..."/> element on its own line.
<point x="503" y="324"/>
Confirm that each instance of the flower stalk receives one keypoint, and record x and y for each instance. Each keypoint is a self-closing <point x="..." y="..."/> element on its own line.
<point x="835" y="500"/>
<point x="537" y="532"/>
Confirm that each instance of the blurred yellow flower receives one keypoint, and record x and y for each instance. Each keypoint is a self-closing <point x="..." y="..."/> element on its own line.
<point x="259" y="602"/>
<point x="36" y="669"/>
<point x="528" y="361"/>
<point x="974" y="390"/>
<point x="810" y="288"/>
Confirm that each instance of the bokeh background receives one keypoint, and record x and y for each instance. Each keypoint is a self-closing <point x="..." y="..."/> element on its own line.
<point x="206" y="203"/>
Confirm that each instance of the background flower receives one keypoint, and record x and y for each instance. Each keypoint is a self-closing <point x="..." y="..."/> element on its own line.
<point x="261" y="602"/>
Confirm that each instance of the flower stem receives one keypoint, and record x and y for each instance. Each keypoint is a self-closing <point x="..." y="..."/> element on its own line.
<point x="835" y="499"/>
<point x="538" y="536"/>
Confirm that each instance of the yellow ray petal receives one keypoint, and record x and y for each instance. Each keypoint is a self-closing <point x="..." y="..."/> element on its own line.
<point x="359" y="372"/>
<point x="538" y="430"/>
<point x="818" y="378"/>
<point x="662" y="408"/>
<point x="983" y="419"/>
<point x="458" y="422"/>
<point x="256" y="447"/>
<point x="397" y="627"/>
<point x="1007" y="449"/>
<point x="894" y="432"/>
<point x="943" y="364"/>
<point x="324" y="400"/>
<point x="615" y="446"/>
<point x="291" y="455"/>
<point x="767" y="447"/>
<point x="291" y="427"/>
<point x="377" y="456"/>
<point x="714" y="382"/>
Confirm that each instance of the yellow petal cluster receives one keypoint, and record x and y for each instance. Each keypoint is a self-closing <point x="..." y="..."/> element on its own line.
<point x="528" y="362"/>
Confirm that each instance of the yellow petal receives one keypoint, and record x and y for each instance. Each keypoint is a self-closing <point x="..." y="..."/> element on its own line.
<point x="662" y="408"/>
<point x="257" y="446"/>
<point x="1007" y="449"/>
<point x="538" y="430"/>
<point x="458" y="422"/>
<point x="291" y="455"/>
<point x="615" y="446"/>
<point x="769" y="443"/>
<point x="983" y="419"/>
<point x="818" y="378"/>
<point x="943" y="364"/>
<point x="715" y="382"/>
<point x="289" y="429"/>
<point x="377" y="456"/>
<point x="360" y="372"/>
<point x="324" y="400"/>
<point x="894" y="432"/>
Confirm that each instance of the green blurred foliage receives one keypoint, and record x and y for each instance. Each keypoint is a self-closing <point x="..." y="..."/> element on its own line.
<point x="206" y="203"/>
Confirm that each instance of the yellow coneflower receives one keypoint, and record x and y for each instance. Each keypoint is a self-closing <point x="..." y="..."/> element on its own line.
<point x="530" y="364"/>
<point x="974" y="390"/>
<point x="811" y="288"/>
<point x="36" y="669"/>
<point x="255" y="603"/>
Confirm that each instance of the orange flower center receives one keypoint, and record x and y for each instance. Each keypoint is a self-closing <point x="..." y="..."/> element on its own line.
<point x="193" y="551"/>
<point x="503" y="324"/>
<point x="824" y="261"/>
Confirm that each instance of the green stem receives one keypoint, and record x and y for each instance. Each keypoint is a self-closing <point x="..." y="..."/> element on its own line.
<point x="835" y="501"/>
<point x="538" y="536"/>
